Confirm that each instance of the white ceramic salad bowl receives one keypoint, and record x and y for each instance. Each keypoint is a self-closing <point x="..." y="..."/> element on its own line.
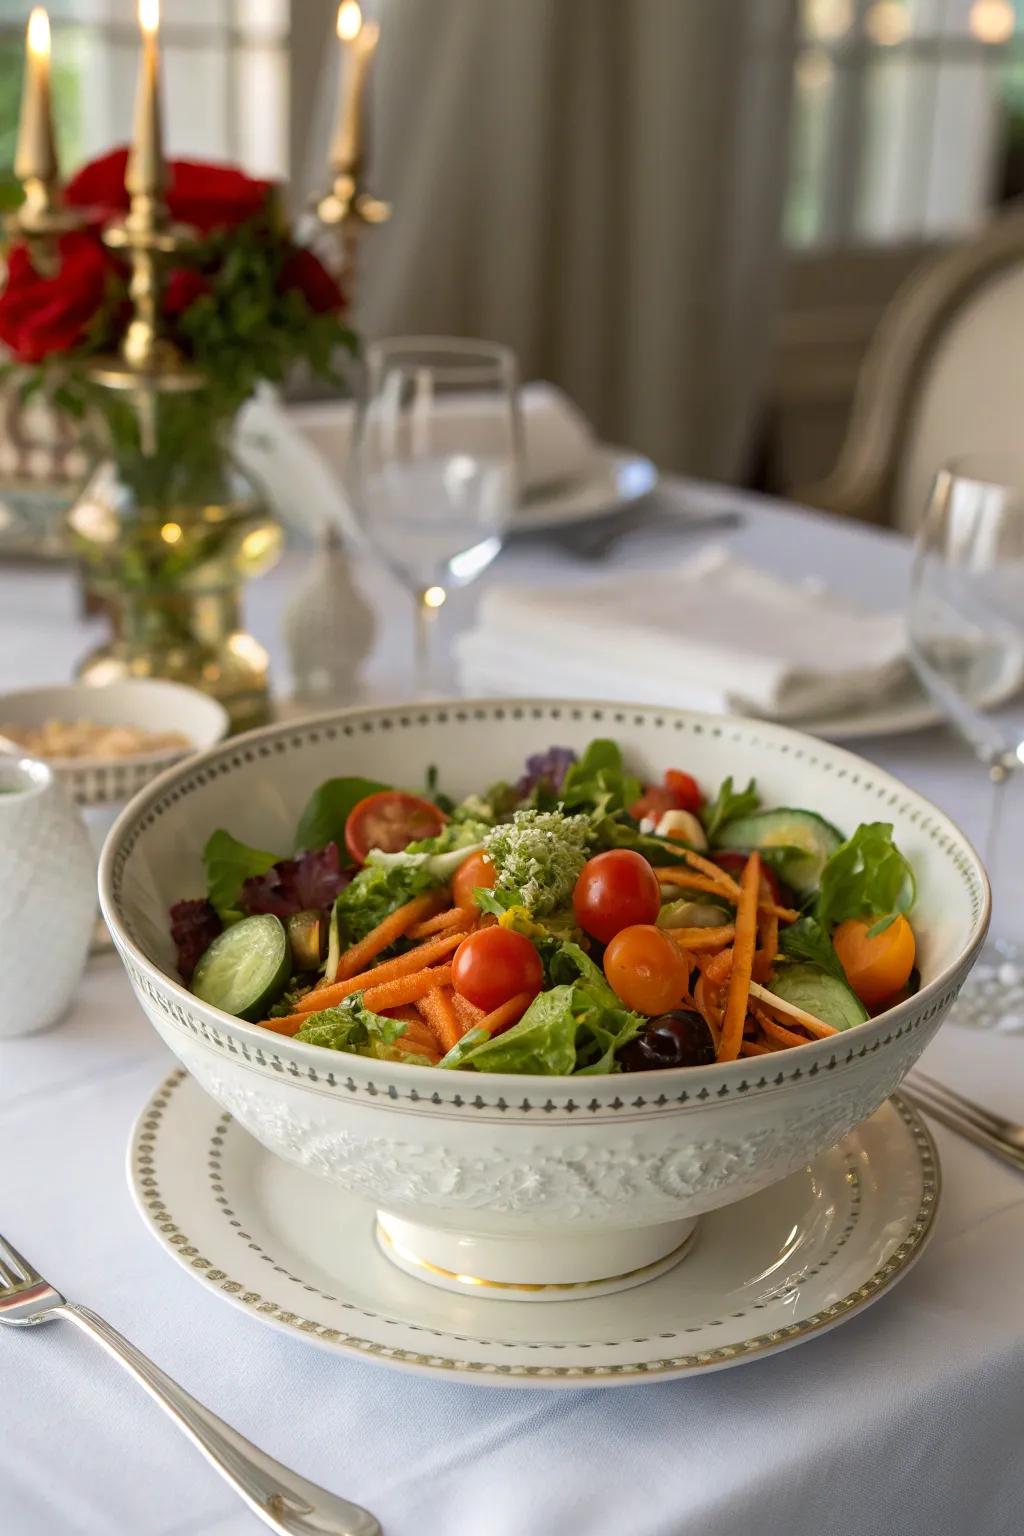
<point x="544" y="1187"/>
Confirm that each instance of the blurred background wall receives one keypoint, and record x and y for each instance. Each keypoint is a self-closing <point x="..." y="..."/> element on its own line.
<point x="689" y="213"/>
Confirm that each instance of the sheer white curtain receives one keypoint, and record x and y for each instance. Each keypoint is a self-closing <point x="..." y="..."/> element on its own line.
<point x="598" y="183"/>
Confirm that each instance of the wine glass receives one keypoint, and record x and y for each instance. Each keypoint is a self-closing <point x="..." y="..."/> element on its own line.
<point x="434" y="475"/>
<point x="966" y="637"/>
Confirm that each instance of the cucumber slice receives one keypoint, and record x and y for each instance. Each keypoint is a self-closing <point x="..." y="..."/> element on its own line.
<point x="815" y="991"/>
<point x="797" y="844"/>
<point x="246" y="968"/>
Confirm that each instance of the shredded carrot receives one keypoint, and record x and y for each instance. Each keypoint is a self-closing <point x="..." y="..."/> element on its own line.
<point x="707" y="1005"/>
<point x="456" y="917"/>
<point x="776" y="1032"/>
<point x="790" y="1011"/>
<point x="407" y="989"/>
<point x="717" y="968"/>
<point x="393" y="927"/>
<point x="439" y="1013"/>
<point x="426" y="1047"/>
<point x="713" y="871"/>
<point x="681" y="875"/>
<point x="743" y="958"/>
<point x="768" y="930"/>
<point x="508" y="1014"/>
<point x="290" y="1024"/>
<point x="469" y="1014"/>
<point x="702" y="938"/>
<point x="757" y="1048"/>
<point x="387" y="970"/>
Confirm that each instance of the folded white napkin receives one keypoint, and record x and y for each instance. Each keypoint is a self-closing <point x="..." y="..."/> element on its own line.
<point x="712" y="634"/>
<point x="557" y="441"/>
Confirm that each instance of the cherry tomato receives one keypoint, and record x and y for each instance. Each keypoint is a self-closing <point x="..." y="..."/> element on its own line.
<point x="686" y="790"/>
<point x="646" y="969"/>
<point x="615" y="890"/>
<point x="475" y="874"/>
<point x="494" y="964"/>
<point x="654" y="802"/>
<point x="390" y="820"/>
<point x="878" y="967"/>
<point x="735" y="863"/>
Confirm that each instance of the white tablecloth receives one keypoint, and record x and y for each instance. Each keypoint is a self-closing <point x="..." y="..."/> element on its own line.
<point x="907" y="1421"/>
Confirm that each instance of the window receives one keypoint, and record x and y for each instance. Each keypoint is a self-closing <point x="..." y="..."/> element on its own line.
<point x="225" y="68"/>
<point x="904" y="112"/>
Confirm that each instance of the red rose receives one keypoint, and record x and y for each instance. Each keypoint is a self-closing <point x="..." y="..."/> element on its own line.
<point x="184" y="286"/>
<point x="206" y="196"/>
<point x="42" y="315"/>
<point x="307" y="274"/>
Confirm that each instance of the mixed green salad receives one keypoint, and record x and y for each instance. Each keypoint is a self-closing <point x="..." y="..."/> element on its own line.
<point x="573" y="921"/>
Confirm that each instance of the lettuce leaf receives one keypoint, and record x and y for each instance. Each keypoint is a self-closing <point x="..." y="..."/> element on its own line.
<point x="727" y="805"/>
<point x="808" y="940"/>
<point x="327" y="810"/>
<point x="577" y="1025"/>
<point x="353" y="1027"/>
<point x="375" y="892"/>
<point x="598" y="782"/>
<point x="228" y="864"/>
<point x="867" y="877"/>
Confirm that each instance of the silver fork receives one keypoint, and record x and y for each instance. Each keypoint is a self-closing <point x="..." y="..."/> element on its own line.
<point x="286" y="1502"/>
<point x="1002" y="1137"/>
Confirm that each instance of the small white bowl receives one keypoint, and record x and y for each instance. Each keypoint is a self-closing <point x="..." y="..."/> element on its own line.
<point x="145" y="704"/>
<point x="102" y="786"/>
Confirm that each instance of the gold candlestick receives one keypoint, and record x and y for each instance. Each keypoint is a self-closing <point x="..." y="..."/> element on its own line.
<point x="42" y="216"/>
<point x="148" y="237"/>
<point x="349" y="207"/>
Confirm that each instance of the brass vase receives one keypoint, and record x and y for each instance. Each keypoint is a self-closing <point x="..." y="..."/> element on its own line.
<point x="167" y="528"/>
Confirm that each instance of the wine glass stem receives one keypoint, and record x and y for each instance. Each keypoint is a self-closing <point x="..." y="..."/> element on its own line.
<point x="426" y="625"/>
<point x="994" y="854"/>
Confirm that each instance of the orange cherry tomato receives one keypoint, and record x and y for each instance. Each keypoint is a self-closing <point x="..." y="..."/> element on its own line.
<point x="614" y="890"/>
<point x="494" y="964"/>
<point x="477" y="873"/>
<point x="390" y="820"/>
<point x="646" y="970"/>
<point x="878" y="967"/>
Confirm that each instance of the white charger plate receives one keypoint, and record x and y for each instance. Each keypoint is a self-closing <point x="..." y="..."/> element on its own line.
<point x="298" y="1253"/>
<point x="615" y="480"/>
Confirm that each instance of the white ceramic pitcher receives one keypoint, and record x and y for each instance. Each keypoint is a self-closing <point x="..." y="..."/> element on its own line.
<point x="47" y="897"/>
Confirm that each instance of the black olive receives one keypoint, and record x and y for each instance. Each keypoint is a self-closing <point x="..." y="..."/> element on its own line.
<point x="676" y="1039"/>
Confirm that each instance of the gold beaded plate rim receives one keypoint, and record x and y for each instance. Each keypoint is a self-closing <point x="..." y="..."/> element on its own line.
<point x="143" y="1178"/>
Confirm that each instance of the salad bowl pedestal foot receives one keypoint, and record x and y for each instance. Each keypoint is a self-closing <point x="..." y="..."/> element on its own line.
<point x="551" y="1266"/>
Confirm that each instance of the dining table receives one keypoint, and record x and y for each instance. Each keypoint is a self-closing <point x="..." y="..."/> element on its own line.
<point x="905" y="1421"/>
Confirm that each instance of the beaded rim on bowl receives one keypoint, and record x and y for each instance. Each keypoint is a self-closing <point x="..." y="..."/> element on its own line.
<point x="397" y="1080"/>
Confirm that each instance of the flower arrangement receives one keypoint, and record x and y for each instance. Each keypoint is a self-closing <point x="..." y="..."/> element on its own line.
<point x="249" y="303"/>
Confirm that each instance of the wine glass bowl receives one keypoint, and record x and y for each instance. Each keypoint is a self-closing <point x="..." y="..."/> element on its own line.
<point x="966" y="629"/>
<point x="434" y="478"/>
<point x="966" y="642"/>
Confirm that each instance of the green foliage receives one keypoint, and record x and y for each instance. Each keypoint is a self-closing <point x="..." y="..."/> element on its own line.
<point x="727" y="805"/>
<point x="323" y="820"/>
<point x="867" y="877"/>
<point x="808" y="940"/>
<point x="598" y="782"/>
<point x="228" y="864"/>
<point x="247" y="328"/>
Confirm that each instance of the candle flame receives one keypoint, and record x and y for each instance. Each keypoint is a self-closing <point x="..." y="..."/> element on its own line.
<point x="350" y="20"/>
<point x="39" y="33"/>
<point x="149" y="16"/>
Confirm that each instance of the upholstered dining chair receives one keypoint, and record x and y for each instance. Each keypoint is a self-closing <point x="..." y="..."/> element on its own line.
<point x="944" y="375"/>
